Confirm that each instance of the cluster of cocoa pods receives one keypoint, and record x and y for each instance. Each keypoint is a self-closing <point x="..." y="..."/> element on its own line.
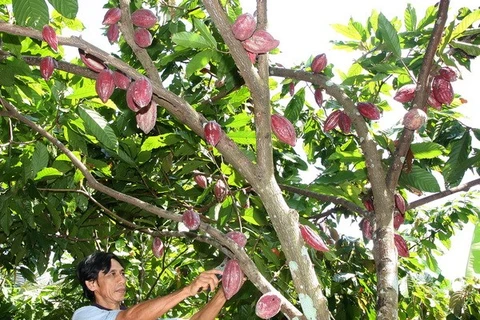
<point x="341" y="119"/>
<point x="49" y="64"/>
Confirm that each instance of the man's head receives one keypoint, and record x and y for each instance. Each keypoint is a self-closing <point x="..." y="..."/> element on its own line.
<point x="102" y="273"/>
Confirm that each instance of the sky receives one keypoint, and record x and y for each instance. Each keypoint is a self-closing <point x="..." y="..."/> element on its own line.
<point x="304" y="30"/>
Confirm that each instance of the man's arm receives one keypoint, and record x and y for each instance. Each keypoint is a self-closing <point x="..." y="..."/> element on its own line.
<point x="212" y="308"/>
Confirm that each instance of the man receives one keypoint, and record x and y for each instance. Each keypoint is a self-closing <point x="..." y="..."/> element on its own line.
<point x="103" y="280"/>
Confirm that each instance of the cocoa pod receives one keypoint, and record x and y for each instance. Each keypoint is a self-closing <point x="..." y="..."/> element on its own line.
<point x="405" y="93"/>
<point x="432" y="102"/>
<point x="368" y="110"/>
<point x="113" y="32"/>
<point x="442" y="90"/>
<point x="104" y="84"/>
<point x="212" y="132"/>
<point x="121" y="80"/>
<point x="344" y="122"/>
<point x="283" y="129"/>
<point x="238" y="237"/>
<point x="201" y="180"/>
<point x="291" y="88"/>
<point x="47" y="66"/>
<point x="220" y="190"/>
<point x="157" y="247"/>
<point x="368" y="203"/>
<point x="448" y="74"/>
<point x="319" y="63"/>
<point x="112" y="16"/>
<point x="366" y="228"/>
<point x="144" y="18"/>
<point x="92" y="62"/>
<point x="312" y="238"/>
<point x="414" y="119"/>
<point x="50" y="37"/>
<point x="142" y="92"/>
<point x="147" y="117"/>
<point x="400" y="203"/>
<point x="401" y="246"/>
<point x="232" y="278"/>
<point x="318" y="95"/>
<point x="268" y="305"/>
<point x="191" y="219"/>
<point x="260" y="42"/>
<point x="142" y="37"/>
<point x="129" y="98"/>
<point x="244" y="26"/>
<point x="331" y="121"/>
<point x="398" y="219"/>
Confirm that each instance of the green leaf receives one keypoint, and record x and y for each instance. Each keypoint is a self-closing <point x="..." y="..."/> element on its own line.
<point x="455" y="167"/>
<point x="238" y="121"/>
<point x="205" y="32"/>
<point x="295" y="106"/>
<point x="470" y="49"/>
<point x="30" y="13"/>
<point x="410" y="18"/>
<point x="48" y="173"/>
<point x="473" y="263"/>
<point x="390" y="35"/>
<point x="243" y="137"/>
<point x="199" y="61"/>
<point x="67" y="8"/>
<point x="39" y="158"/>
<point x="155" y="142"/>
<point x="427" y="150"/>
<point x="191" y="40"/>
<point x="420" y="179"/>
<point x="96" y="125"/>
<point x="465" y="23"/>
<point x="348" y="31"/>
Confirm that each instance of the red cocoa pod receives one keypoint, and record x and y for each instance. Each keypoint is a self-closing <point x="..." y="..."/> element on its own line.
<point x="312" y="238"/>
<point x="121" y="80"/>
<point x="442" y="90"/>
<point x="142" y="37"/>
<point x="414" y="119"/>
<point x="212" y="132"/>
<point x="260" y="42"/>
<point x="238" y="237"/>
<point x="400" y="203"/>
<point x="331" y="121"/>
<point x="398" y="219"/>
<point x="432" y="102"/>
<point x="144" y="18"/>
<point x="191" y="219"/>
<point x="47" y="66"/>
<point x="50" y="37"/>
<point x="201" y="180"/>
<point x="448" y="74"/>
<point x="405" y="93"/>
<point x="232" y="278"/>
<point x="291" y="88"/>
<point x="344" y="122"/>
<point x="401" y="246"/>
<point x="142" y="92"/>
<point x="129" y="97"/>
<point x="92" y="62"/>
<point x="113" y="32"/>
<point x="268" y="305"/>
<point x="112" y="16"/>
<point x="157" y="247"/>
<point x="283" y="129"/>
<point x="366" y="228"/>
<point x="104" y="84"/>
<point x="220" y="190"/>
<point x="319" y="63"/>
<point x="244" y="27"/>
<point x="368" y="203"/>
<point x="368" y="110"/>
<point x="318" y="95"/>
<point x="147" y="117"/>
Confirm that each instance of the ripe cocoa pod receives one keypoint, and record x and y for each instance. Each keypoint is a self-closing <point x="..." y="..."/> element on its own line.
<point x="232" y="278"/>
<point x="344" y="122"/>
<point x="238" y="237"/>
<point x="331" y="121"/>
<point x="405" y="93"/>
<point x="191" y="219"/>
<point x="47" y="66"/>
<point x="220" y="190"/>
<point x="212" y="132"/>
<point x="312" y="238"/>
<point x="201" y="180"/>
<point x="144" y="18"/>
<point x="50" y="37"/>
<point x="244" y="26"/>
<point x="400" y="203"/>
<point x="368" y="203"/>
<point x="104" y="84"/>
<point x="268" y="305"/>
<point x="398" y="219"/>
<point x="142" y="37"/>
<point x="368" y="110"/>
<point x="414" y="119"/>
<point x="129" y="98"/>
<point x="283" y="129"/>
<point x="448" y="74"/>
<point x="291" y="88"/>
<point x="92" y="62"/>
<point x="121" y="80"/>
<point x="157" y="247"/>
<point x="318" y="95"/>
<point x="147" y="117"/>
<point x="432" y="102"/>
<point x="142" y="92"/>
<point x="319" y="63"/>
<point x="113" y="32"/>
<point x="366" y="228"/>
<point x="112" y="16"/>
<point x="260" y="42"/>
<point x="442" y="90"/>
<point x="401" y="246"/>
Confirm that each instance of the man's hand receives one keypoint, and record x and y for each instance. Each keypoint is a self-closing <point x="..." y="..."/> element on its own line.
<point x="206" y="280"/>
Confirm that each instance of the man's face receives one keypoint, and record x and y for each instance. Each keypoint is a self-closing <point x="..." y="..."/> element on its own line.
<point x="109" y="288"/>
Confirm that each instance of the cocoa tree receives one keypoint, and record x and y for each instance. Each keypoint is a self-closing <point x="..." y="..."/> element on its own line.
<point x="184" y="135"/>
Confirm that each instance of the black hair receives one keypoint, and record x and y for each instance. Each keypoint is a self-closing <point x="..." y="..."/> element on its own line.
<point x="89" y="268"/>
